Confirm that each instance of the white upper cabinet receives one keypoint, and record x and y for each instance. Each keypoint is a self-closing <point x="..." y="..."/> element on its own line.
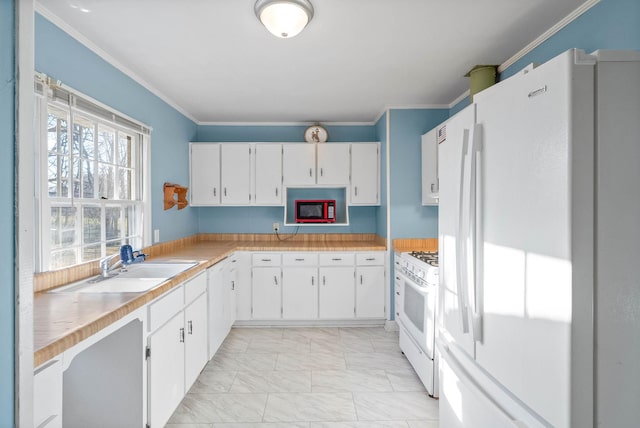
<point x="235" y="161"/>
<point x="205" y="174"/>
<point x="299" y="164"/>
<point x="365" y="174"/>
<point x="268" y="174"/>
<point x="333" y="164"/>
<point x="430" y="167"/>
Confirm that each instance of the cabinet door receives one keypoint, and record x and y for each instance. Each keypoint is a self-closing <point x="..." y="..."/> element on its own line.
<point x="333" y="164"/>
<point x="166" y="370"/>
<point x="365" y="174"/>
<point x="370" y="292"/>
<point x="268" y="176"/>
<point x="196" y="331"/>
<point x="299" y="164"/>
<point x="300" y="293"/>
<point x="235" y="161"/>
<point x="266" y="301"/>
<point x="337" y="292"/>
<point x="430" y="167"/>
<point x="205" y="174"/>
<point x="242" y="263"/>
<point x="217" y="330"/>
<point x="230" y="279"/>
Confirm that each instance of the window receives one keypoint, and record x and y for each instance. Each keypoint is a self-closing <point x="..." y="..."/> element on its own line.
<point x="92" y="197"/>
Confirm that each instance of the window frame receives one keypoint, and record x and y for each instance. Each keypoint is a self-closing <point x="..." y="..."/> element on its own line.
<point x="74" y="104"/>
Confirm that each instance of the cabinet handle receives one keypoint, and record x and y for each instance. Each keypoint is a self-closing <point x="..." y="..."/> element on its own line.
<point x="313" y="281"/>
<point x="181" y="334"/>
<point x="299" y="260"/>
<point x="321" y="172"/>
<point x="360" y="279"/>
<point x="324" y="280"/>
<point x="397" y="314"/>
<point x="233" y="285"/>
<point x="225" y="191"/>
<point x="398" y="293"/>
<point x="310" y="172"/>
<point x="265" y="260"/>
<point x="337" y="259"/>
<point x="398" y="278"/>
<point x="356" y="190"/>
<point x="370" y="259"/>
<point x="276" y="191"/>
<point x="214" y="192"/>
<point x="275" y="280"/>
<point x="190" y="323"/>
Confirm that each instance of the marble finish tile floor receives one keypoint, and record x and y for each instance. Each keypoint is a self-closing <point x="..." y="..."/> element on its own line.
<point x="353" y="377"/>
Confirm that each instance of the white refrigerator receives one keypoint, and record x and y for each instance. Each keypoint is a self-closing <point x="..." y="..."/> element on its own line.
<point x="539" y="239"/>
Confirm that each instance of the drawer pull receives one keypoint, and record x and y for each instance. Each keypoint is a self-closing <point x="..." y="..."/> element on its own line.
<point x="370" y="259"/>
<point x="299" y="260"/>
<point x="337" y="259"/>
<point x="265" y="260"/>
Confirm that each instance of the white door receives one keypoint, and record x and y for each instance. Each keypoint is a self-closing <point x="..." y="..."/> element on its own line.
<point x="266" y="299"/>
<point x="370" y="292"/>
<point x="452" y="316"/>
<point x="333" y="164"/>
<point x="299" y="293"/>
<point x="235" y="163"/>
<point x="196" y="355"/>
<point x="430" y="168"/>
<point x="268" y="176"/>
<point x="205" y="174"/>
<point x="217" y="331"/>
<point x="525" y="279"/>
<point x="299" y="164"/>
<point x="365" y="174"/>
<point x="166" y="370"/>
<point x="337" y="292"/>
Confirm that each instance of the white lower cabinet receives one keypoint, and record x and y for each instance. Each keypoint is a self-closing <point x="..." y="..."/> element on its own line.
<point x="47" y="395"/>
<point x="337" y="292"/>
<point x="299" y="292"/>
<point x="266" y="298"/>
<point x="230" y="277"/>
<point x="177" y="351"/>
<point x="370" y="292"/>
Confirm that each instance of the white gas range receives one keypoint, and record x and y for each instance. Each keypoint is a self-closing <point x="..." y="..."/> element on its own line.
<point x="416" y="288"/>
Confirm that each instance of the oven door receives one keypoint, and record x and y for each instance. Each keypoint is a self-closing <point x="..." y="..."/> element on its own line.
<point x="418" y="313"/>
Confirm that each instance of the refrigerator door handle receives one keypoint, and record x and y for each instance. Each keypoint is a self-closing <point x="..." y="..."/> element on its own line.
<point x="460" y="247"/>
<point x="473" y="239"/>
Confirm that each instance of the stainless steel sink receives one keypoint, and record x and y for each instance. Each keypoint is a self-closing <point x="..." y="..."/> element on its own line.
<point x="136" y="278"/>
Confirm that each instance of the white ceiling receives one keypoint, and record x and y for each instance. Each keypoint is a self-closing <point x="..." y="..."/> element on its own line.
<point x="214" y="61"/>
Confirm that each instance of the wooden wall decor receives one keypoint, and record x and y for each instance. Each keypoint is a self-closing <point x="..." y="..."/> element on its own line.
<point x="170" y="192"/>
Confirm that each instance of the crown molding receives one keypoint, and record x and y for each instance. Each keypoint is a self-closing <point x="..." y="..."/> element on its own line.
<point x="57" y="21"/>
<point x="461" y="97"/>
<point x="548" y="34"/>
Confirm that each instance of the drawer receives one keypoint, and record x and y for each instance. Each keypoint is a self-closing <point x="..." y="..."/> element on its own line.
<point x="166" y="307"/>
<point x="300" y="259"/>
<point x="337" y="259"/>
<point x="195" y="287"/>
<point x="265" y="259"/>
<point x="370" y="259"/>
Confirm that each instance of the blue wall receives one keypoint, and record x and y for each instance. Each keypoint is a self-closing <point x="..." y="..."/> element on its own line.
<point x="62" y="57"/>
<point x="610" y="24"/>
<point x="261" y="219"/>
<point x="7" y="229"/>
<point x="409" y="219"/>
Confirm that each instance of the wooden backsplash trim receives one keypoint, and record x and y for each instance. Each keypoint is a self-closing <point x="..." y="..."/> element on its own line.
<point x="48" y="280"/>
<point x="424" y="244"/>
<point x="301" y="237"/>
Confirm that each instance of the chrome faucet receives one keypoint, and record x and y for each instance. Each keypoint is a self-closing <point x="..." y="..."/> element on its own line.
<point x="105" y="264"/>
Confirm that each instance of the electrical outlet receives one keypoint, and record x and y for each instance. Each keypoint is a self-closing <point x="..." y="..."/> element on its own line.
<point x="276" y="227"/>
<point x="156" y="236"/>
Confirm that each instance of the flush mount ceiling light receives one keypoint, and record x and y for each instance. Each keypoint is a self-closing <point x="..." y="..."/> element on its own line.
<point x="284" y="18"/>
